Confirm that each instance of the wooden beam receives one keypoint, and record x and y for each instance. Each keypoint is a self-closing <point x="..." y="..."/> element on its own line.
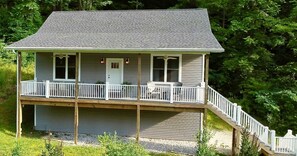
<point x="235" y="142"/>
<point x="138" y="77"/>
<point x="206" y="66"/>
<point x="138" y="123"/>
<point x="19" y="105"/>
<point x="94" y="103"/>
<point x="76" y="99"/>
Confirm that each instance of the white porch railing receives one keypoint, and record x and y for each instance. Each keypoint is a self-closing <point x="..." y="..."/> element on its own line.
<point x="241" y="118"/>
<point x="108" y="91"/>
<point x="57" y="89"/>
<point x="286" y="145"/>
<point x="33" y="88"/>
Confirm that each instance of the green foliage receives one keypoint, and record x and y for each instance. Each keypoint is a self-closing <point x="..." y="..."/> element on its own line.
<point x="52" y="150"/>
<point x="113" y="146"/>
<point x="24" y="20"/>
<point x="17" y="150"/>
<point x="8" y="77"/>
<point x="203" y="147"/>
<point x="248" y="148"/>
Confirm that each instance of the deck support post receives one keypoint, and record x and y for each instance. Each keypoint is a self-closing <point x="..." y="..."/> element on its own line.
<point x="138" y="76"/>
<point x="206" y="66"/>
<point x="138" y="123"/>
<point x="76" y="100"/>
<point x="235" y="142"/>
<point x="19" y="104"/>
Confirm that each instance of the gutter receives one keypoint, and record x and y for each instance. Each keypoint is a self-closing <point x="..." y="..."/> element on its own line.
<point x="116" y="50"/>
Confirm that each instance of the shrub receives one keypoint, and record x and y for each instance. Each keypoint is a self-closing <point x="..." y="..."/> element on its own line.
<point x="17" y="150"/>
<point x="113" y="146"/>
<point x="203" y="148"/>
<point x="248" y="148"/>
<point x="52" y="150"/>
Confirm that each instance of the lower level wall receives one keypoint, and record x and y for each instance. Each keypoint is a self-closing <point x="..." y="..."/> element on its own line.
<point x="154" y="124"/>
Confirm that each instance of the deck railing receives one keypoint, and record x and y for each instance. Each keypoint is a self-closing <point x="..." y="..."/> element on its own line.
<point x="286" y="145"/>
<point x="108" y="91"/>
<point x="243" y="119"/>
<point x="170" y="94"/>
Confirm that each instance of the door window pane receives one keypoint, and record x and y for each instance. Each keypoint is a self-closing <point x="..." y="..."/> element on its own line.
<point x="60" y="67"/>
<point x="115" y="65"/>
<point x="71" y="66"/>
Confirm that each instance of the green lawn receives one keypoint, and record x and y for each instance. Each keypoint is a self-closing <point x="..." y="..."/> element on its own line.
<point x="31" y="141"/>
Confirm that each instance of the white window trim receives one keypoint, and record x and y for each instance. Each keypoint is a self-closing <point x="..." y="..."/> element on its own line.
<point x="121" y="67"/>
<point x="66" y="70"/>
<point x="165" y="66"/>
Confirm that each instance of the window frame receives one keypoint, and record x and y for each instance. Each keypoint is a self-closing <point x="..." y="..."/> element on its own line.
<point x="66" y="66"/>
<point x="165" y="66"/>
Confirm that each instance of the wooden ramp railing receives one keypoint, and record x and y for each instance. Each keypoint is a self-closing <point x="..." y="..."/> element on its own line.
<point x="236" y="117"/>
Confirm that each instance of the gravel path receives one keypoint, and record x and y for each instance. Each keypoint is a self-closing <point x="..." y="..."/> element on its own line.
<point x="221" y="139"/>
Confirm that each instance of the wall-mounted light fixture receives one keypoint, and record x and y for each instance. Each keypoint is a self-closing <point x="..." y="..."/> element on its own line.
<point x="127" y="61"/>
<point x="102" y="60"/>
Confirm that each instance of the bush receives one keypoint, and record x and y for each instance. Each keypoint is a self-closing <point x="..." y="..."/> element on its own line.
<point x="113" y="146"/>
<point x="248" y="148"/>
<point x="52" y="150"/>
<point x="203" y="149"/>
<point x="17" y="150"/>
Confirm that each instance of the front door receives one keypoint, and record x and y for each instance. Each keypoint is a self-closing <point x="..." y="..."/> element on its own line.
<point x="114" y="70"/>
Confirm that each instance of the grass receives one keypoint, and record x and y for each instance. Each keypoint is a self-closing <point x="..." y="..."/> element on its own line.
<point x="217" y="123"/>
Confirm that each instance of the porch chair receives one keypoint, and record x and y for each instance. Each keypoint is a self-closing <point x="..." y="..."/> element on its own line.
<point x="153" y="92"/>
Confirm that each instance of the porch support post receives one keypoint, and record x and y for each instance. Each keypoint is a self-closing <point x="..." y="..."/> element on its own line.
<point x="138" y="77"/>
<point x="206" y="66"/>
<point x="19" y="105"/>
<point x="138" y="123"/>
<point x="76" y="99"/>
<point x="235" y="142"/>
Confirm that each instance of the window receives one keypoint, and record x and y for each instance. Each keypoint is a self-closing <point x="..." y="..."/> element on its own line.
<point x="166" y="68"/>
<point x="64" y="66"/>
<point x="115" y="65"/>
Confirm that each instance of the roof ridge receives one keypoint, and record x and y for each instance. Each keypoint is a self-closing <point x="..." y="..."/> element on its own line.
<point x="139" y="10"/>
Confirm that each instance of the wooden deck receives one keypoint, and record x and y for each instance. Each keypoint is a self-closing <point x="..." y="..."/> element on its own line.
<point x="113" y="104"/>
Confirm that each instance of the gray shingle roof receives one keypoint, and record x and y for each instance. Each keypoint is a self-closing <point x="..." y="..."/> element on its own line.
<point x="133" y="30"/>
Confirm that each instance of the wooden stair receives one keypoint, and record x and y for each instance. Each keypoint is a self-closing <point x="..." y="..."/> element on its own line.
<point x="266" y="150"/>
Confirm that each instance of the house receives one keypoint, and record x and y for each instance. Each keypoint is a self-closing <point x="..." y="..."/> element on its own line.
<point x="139" y="73"/>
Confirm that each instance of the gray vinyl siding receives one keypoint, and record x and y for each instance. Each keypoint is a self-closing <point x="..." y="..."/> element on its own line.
<point x="92" y="71"/>
<point x="154" y="124"/>
<point x="192" y="69"/>
<point x="44" y="66"/>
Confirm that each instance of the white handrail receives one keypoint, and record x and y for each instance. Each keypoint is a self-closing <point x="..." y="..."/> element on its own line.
<point x="243" y="119"/>
<point x="286" y="145"/>
<point x="32" y="88"/>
